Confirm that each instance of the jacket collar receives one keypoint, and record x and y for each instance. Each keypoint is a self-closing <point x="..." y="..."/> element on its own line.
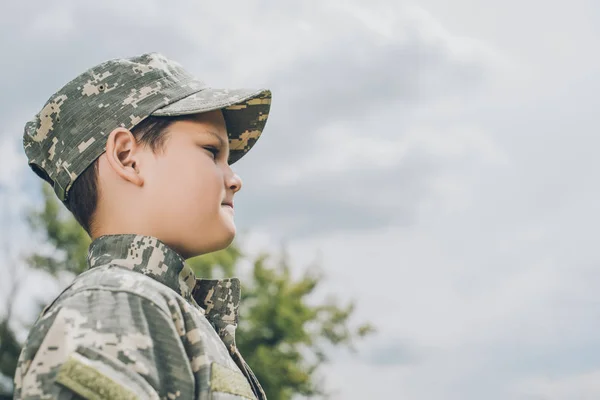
<point x="149" y="256"/>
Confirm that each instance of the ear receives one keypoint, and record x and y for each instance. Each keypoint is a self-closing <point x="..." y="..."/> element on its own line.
<point x="122" y="154"/>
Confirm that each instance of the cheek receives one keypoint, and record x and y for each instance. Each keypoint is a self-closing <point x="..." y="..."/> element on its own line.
<point x="195" y="183"/>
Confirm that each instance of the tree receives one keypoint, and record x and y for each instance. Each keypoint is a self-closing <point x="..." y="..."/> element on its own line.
<point x="9" y="354"/>
<point x="282" y="336"/>
<point x="281" y="332"/>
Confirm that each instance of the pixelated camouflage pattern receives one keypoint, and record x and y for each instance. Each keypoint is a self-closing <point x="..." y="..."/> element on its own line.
<point x="70" y="131"/>
<point x="140" y="318"/>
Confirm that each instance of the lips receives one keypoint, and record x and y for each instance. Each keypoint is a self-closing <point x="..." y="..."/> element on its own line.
<point x="227" y="203"/>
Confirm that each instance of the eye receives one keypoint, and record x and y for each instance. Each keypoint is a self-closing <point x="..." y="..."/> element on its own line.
<point x="213" y="150"/>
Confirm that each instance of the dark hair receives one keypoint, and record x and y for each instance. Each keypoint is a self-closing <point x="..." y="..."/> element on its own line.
<point x="83" y="196"/>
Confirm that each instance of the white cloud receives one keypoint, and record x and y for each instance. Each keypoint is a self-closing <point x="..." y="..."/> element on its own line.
<point x="57" y="22"/>
<point x="584" y="386"/>
<point x="481" y="308"/>
<point x="12" y="162"/>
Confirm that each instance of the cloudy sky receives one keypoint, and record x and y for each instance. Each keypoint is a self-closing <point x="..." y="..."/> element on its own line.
<point x="440" y="159"/>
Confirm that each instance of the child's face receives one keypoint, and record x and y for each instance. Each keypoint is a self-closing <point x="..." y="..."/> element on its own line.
<point x="187" y="185"/>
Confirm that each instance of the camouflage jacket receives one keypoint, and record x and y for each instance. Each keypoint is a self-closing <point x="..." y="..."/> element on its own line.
<point x="137" y="324"/>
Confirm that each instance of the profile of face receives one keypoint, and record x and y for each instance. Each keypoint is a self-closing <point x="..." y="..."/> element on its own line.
<point x="181" y="194"/>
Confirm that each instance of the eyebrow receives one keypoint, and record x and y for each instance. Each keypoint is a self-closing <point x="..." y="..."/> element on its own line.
<point x="222" y="142"/>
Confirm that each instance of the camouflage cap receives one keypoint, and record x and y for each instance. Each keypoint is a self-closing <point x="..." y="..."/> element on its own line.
<point x="71" y="130"/>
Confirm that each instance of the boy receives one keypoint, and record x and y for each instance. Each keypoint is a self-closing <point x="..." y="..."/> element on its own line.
<point x="140" y="152"/>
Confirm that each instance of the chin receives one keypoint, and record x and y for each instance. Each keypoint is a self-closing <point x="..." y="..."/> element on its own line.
<point x="227" y="239"/>
<point x="228" y="232"/>
<point x="212" y="239"/>
<point x="218" y="241"/>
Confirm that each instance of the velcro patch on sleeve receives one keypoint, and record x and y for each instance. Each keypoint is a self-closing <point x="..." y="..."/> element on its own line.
<point x="226" y="380"/>
<point x="83" y="379"/>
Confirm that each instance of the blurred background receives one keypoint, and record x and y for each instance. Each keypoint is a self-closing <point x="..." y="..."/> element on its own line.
<point x="418" y="219"/>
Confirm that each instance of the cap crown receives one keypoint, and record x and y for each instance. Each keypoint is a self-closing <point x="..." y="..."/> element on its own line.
<point x="70" y="131"/>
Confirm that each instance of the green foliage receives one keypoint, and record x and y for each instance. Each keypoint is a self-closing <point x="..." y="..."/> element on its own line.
<point x="9" y="350"/>
<point x="67" y="238"/>
<point x="224" y="260"/>
<point x="281" y="334"/>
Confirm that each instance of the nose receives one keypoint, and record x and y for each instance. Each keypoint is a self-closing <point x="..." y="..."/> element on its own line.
<point x="234" y="182"/>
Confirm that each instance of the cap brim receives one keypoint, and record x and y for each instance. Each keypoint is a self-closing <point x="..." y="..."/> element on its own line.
<point x="245" y="111"/>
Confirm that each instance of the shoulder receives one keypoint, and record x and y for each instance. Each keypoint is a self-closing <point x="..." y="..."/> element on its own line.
<point x="121" y="282"/>
<point x="106" y="325"/>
